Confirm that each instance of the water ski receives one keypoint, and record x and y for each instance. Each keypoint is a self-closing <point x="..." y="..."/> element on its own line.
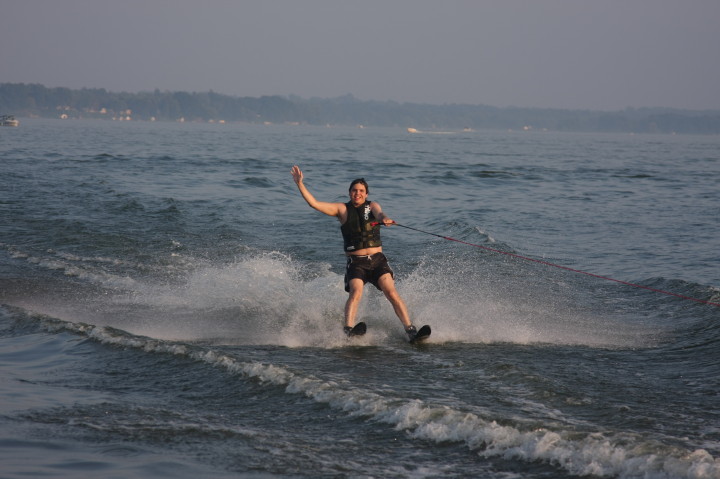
<point x="358" y="330"/>
<point x="422" y="334"/>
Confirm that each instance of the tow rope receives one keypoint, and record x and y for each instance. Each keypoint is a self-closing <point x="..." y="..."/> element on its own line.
<point x="547" y="263"/>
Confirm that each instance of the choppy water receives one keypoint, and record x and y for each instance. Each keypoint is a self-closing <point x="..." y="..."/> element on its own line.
<point x="172" y="308"/>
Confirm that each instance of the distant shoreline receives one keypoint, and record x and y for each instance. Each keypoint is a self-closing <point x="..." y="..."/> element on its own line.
<point x="35" y="100"/>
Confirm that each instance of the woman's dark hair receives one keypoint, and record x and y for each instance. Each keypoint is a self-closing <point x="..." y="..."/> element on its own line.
<point x="362" y="182"/>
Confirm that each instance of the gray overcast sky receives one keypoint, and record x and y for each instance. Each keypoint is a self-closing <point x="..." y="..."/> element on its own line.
<point x="599" y="54"/>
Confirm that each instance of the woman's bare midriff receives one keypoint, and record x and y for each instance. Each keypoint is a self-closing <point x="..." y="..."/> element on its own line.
<point x="365" y="251"/>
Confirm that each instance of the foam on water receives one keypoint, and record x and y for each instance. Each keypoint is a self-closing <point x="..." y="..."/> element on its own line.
<point x="271" y="298"/>
<point x="604" y="454"/>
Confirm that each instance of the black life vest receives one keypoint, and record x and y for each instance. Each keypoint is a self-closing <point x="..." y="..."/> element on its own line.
<point x="358" y="232"/>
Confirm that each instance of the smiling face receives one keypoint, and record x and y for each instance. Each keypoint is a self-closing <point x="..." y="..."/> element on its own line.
<point x="358" y="192"/>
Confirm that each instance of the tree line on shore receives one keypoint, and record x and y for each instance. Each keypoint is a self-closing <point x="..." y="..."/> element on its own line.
<point x="35" y="100"/>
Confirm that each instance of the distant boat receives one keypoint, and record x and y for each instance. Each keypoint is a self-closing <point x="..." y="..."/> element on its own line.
<point x="430" y="132"/>
<point x="8" y="120"/>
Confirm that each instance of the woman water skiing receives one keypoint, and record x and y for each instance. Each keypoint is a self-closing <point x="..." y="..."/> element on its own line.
<point x="360" y="222"/>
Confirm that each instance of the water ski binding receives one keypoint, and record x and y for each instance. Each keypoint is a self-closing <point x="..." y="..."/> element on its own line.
<point x="358" y="330"/>
<point x="419" y="335"/>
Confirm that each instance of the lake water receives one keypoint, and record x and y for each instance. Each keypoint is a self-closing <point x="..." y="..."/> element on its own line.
<point x="171" y="307"/>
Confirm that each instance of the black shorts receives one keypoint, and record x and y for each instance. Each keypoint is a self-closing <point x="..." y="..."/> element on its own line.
<point x="367" y="268"/>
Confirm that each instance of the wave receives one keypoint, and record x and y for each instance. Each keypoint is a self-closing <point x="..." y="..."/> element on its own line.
<point x="603" y="454"/>
<point x="267" y="297"/>
<point x="272" y="298"/>
<point x="91" y="269"/>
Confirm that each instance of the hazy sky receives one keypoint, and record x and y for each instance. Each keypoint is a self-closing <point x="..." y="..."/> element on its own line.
<point x="596" y="54"/>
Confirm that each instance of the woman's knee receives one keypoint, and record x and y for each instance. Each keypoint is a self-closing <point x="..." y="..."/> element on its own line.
<point x="355" y="292"/>
<point x="391" y="294"/>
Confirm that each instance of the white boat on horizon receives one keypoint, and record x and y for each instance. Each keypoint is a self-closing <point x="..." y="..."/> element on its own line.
<point x="8" y="120"/>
